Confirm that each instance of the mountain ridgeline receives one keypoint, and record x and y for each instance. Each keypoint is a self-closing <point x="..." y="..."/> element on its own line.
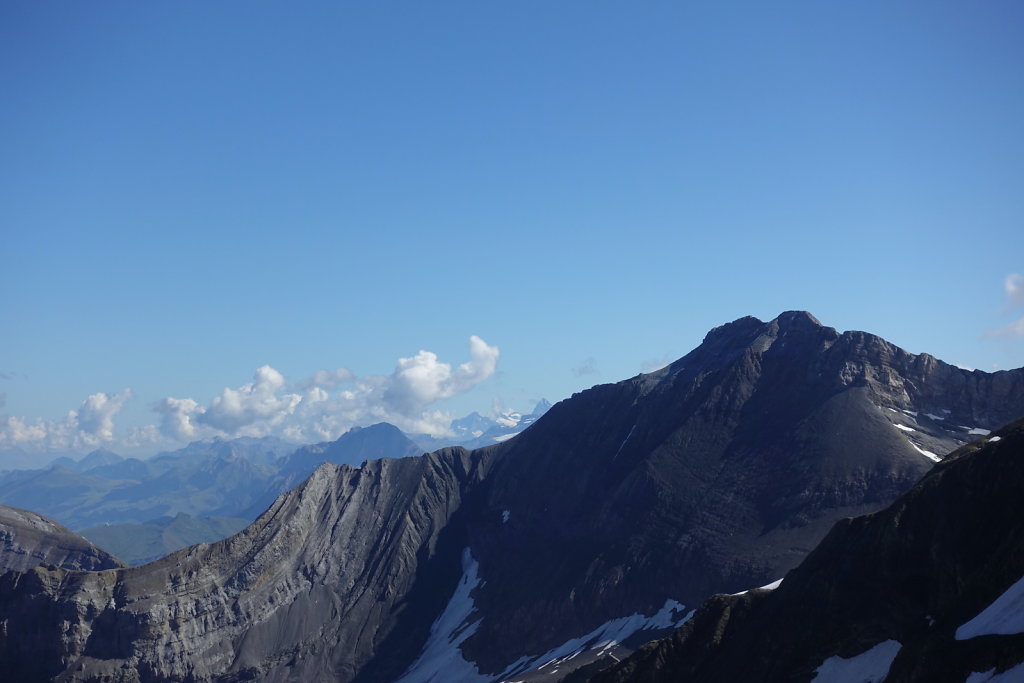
<point x="622" y="504"/>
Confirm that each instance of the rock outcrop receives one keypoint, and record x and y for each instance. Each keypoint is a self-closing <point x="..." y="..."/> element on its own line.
<point x="29" y="540"/>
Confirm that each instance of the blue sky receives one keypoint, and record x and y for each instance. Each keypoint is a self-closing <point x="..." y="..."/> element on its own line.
<point x="191" y="191"/>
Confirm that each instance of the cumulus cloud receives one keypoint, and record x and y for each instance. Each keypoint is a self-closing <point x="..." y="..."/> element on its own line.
<point x="96" y="414"/>
<point x="90" y="426"/>
<point x="422" y="379"/>
<point x="329" y="402"/>
<point x="252" y="408"/>
<point x="176" y="422"/>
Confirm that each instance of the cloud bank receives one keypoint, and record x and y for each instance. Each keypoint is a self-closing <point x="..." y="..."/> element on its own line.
<point x="316" y="408"/>
<point x="91" y="426"/>
<point x="329" y="402"/>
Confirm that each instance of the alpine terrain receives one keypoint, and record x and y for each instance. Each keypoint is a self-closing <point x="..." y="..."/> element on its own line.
<point x="598" y="528"/>
<point x="930" y="589"/>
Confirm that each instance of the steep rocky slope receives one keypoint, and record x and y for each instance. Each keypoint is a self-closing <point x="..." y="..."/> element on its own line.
<point x="717" y="473"/>
<point x="28" y="540"/>
<point x="317" y="588"/>
<point x="929" y="589"/>
<point x="594" y="527"/>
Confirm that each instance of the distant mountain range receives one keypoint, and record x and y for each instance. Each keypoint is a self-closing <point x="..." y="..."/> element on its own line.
<point x="476" y="431"/>
<point x="218" y="486"/>
<point x="143" y="509"/>
<point x="599" y="528"/>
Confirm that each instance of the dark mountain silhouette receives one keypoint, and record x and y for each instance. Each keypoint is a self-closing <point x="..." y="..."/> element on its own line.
<point x="916" y="587"/>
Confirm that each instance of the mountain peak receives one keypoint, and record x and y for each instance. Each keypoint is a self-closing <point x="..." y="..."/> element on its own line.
<point x="542" y="407"/>
<point x="795" y="318"/>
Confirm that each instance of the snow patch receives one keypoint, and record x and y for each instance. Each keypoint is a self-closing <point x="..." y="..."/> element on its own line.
<point x="933" y="416"/>
<point x="925" y="453"/>
<point x="603" y="639"/>
<point x="504" y="516"/>
<point x="904" y="427"/>
<point x="509" y="419"/>
<point x="995" y="438"/>
<point x="1012" y="675"/>
<point x="978" y="431"/>
<point x="912" y="413"/>
<point x="867" y="667"/>
<point x="441" y="660"/>
<point x="1004" y="616"/>
<point x="767" y="587"/>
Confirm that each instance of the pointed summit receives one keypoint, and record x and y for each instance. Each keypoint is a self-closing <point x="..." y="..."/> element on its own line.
<point x="795" y="318"/>
<point x="542" y="407"/>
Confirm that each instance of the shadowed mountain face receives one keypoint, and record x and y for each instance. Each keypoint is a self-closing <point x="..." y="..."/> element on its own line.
<point x="932" y="586"/>
<point x="717" y="473"/>
<point x="29" y="540"/>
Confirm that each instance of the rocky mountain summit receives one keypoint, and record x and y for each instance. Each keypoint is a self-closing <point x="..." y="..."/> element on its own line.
<point x="28" y="540"/>
<point x="930" y="589"/>
<point x="596" y="529"/>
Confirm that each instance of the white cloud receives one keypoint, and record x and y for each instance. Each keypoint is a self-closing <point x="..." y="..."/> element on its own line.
<point x="331" y="402"/>
<point x="96" y="414"/>
<point x="318" y="408"/>
<point x="1014" y="286"/>
<point x="251" y="408"/>
<point x="90" y="426"/>
<point x="176" y="422"/>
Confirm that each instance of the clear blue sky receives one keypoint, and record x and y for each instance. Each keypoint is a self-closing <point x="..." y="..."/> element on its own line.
<point x="192" y="190"/>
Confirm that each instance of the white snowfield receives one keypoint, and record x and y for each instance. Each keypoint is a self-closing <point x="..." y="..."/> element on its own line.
<point x="871" y="666"/>
<point x="441" y="660"/>
<point x="1004" y="616"/>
